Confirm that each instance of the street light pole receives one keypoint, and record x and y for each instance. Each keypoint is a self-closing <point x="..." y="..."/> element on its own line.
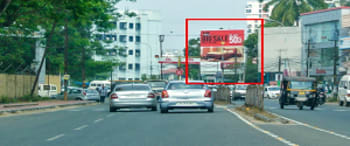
<point x="161" y="40"/>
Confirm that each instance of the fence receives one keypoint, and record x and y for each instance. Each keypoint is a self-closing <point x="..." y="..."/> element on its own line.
<point x="255" y="96"/>
<point x="13" y="85"/>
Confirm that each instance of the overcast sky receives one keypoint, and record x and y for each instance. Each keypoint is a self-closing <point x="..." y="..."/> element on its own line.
<point x="174" y="12"/>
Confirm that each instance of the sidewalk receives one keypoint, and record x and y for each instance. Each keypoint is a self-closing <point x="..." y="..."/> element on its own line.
<point x="31" y="106"/>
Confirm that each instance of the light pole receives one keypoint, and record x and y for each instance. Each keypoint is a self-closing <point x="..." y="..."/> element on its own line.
<point x="161" y="40"/>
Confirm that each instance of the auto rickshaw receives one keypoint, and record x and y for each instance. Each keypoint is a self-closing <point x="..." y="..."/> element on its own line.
<point x="300" y="91"/>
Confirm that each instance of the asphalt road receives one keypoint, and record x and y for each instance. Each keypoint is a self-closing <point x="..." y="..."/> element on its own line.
<point x="94" y="125"/>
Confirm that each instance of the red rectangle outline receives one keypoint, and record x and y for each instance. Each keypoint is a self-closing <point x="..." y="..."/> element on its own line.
<point x="226" y="19"/>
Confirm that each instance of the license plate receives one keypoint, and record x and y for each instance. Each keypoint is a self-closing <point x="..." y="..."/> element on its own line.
<point x="301" y="93"/>
<point x="186" y="103"/>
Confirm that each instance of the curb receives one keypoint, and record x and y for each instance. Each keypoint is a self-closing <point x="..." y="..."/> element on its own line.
<point x="44" y="107"/>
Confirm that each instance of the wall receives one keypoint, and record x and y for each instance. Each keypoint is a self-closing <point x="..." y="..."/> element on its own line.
<point x="12" y="85"/>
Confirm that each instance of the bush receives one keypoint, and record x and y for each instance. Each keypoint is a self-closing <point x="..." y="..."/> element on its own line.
<point x="5" y="99"/>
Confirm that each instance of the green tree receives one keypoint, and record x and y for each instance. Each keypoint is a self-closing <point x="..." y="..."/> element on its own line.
<point x="194" y="49"/>
<point x="344" y="3"/>
<point x="251" y="71"/>
<point x="288" y="11"/>
<point x="251" y="44"/>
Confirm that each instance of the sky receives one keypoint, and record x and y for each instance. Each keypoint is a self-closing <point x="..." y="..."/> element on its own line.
<point x="174" y="13"/>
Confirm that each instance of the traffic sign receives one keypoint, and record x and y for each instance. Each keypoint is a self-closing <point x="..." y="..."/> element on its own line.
<point x="179" y="71"/>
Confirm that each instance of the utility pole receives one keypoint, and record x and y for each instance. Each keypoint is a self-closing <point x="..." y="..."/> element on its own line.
<point x="83" y="67"/>
<point x="335" y="64"/>
<point x="307" y="58"/>
<point x="161" y="40"/>
<point x="65" y="58"/>
<point x="235" y="65"/>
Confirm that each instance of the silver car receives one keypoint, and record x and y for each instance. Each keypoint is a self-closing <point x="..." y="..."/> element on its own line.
<point x="79" y="94"/>
<point x="178" y="94"/>
<point x="132" y="96"/>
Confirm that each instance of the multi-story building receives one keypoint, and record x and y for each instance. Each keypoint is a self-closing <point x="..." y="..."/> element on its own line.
<point x="325" y="37"/>
<point x="254" y="9"/>
<point x="134" y="43"/>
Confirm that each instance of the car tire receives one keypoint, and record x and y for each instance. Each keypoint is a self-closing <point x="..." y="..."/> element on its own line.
<point x="312" y="107"/>
<point x="210" y="110"/>
<point x="112" y="109"/>
<point x="154" y="108"/>
<point x="347" y="104"/>
<point x="300" y="107"/>
<point x="341" y="103"/>
<point x="163" y="110"/>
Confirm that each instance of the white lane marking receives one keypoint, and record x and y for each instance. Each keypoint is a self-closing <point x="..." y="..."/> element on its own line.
<point x="98" y="120"/>
<point x="340" y="110"/>
<point x="55" y="137"/>
<point x="263" y="131"/>
<point x="109" y="115"/>
<point x="81" y="127"/>
<point x="316" y="128"/>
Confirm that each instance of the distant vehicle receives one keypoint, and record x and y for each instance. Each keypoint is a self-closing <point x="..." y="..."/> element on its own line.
<point x="98" y="83"/>
<point x="322" y="95"/>
<point x="132" y="96"/>
<point x="272" y="92"/>
<point x="178" y="94"/>
<point x="240" y="92"/>
<point x="344" y="91"/>
<point x="75" y="93"/>
<point x="121" y="82"/>
<point x="47" y="90"/>
<point x="298" y="91"/>
<point x="157" y="86"/>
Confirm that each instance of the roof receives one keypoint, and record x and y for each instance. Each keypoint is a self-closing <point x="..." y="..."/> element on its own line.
<point x="324" y="10"/>
<point x="299" y="79"/>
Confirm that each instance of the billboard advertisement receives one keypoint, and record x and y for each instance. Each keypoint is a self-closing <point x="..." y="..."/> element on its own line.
<point x="221" y="48"/>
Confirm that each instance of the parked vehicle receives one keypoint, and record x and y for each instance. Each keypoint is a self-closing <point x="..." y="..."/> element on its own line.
<point x="98" y="83"/>
<point x="298" y="91"/>
<point x="344" y="91"/>
<point x="178" y="94"/>
<point x="91" y="94"/>
<point x="132" y="96"/>
<point x="239" y="92"/>
<point x="73" y="93"/>
<point x="272" y="92"/>
<point x="47" y="90"/>
<point x="157" y="86"/>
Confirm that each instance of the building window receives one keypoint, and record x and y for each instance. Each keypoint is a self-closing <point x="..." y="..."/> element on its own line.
<point x="138" y="26"/>
<point x="122" y="38"/>
<point x="131" y="52"/>
<point x="137" y="79"/>
<point x="131" y="25"/>
<point x="137" y="66"/>
<point x="122" y="67"/>
<point x="130" y="79"/>
<point x="114" y="37"/>
<point x="259" y="10"/>
<point x="248" y="10"/>
<point x="249" y="30"/>
<point x="138" y="39"/>
<point x="131" y="38"/>
<point x="121" y="78"/>
<point x="122" y="25"/>
<point x="130" y="66"/>
<point x="99" y="37"/>
<point x="137" y="53"/>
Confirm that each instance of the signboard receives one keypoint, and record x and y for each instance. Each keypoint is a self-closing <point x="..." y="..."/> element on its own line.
<point x="179" y="71"/>
<point x="66" y="77"/>
<point x="175" y="60"/>
<point x="221" y="49"/>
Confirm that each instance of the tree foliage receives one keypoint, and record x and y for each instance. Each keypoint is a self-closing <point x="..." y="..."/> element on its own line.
<point x="21" y="20"/>
<point x="288" y="11"/>
<point x="251" y="44"/>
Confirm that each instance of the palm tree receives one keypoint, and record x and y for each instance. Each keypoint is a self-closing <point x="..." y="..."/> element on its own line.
<point x="288" y="11"/>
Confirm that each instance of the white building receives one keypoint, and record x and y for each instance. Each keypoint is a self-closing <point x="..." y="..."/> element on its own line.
<point x="134" y="43"/>
<point x="332" y="3"/>
<point x="254" y="9"/>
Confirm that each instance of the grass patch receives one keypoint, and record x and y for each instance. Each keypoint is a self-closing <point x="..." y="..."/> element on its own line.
<point x="251" y="111"/>
<point x="26" y="98"/>
<point x="332" y="99"/>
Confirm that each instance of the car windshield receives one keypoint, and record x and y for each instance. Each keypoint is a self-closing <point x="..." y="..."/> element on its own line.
<point x="177" y="86"/>
<point x="91" y="91"/>
<point x="273" y="89"/>
<point x="132" y="88"/>
<point x="300" y="85"/>
<point x="157" y="84"/>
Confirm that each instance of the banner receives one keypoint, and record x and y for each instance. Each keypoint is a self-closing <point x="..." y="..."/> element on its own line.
<point x="216" y="38"/>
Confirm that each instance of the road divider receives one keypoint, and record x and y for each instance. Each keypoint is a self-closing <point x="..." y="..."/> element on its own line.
<point x="262" y="130"/>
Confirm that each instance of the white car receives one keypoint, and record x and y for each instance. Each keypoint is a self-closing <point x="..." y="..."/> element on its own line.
<point x="344" y="91"/>
<point x="272" y="92"/>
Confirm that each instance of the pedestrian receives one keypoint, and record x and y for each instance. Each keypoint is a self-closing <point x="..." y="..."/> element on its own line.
<point x="103" y="93"/>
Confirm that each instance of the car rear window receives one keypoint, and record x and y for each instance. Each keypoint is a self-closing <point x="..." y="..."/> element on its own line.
<point x="91" y="91"/>
<point x="176" y="86"/>
<point x="132" y="88"/>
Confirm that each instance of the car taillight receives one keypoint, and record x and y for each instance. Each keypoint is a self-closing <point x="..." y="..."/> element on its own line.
<point x="84" y="93"/>
<point x="207" y="93"/>
<point x="114" y="96"/>
<point x="151" y="95"/>
<point x="165" y="94"/>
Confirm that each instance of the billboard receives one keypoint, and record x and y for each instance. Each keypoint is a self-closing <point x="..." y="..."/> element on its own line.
<point x="221" y="48"/>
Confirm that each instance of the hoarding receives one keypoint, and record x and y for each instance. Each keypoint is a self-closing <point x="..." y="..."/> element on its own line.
<point x="222" y="49"/>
